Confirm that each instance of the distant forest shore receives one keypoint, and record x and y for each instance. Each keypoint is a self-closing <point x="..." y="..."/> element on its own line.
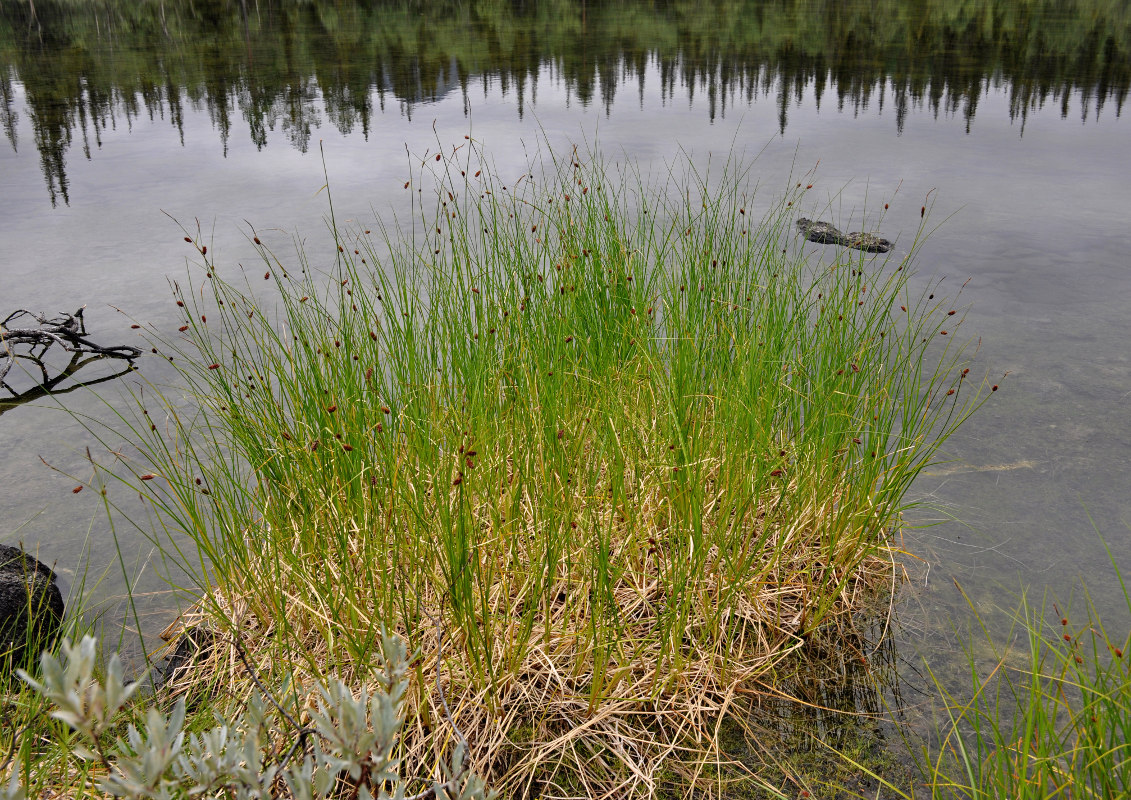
<point x="296" y="66"/>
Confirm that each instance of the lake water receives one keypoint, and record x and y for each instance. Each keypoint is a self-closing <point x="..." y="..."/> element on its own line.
<point x="1004" y="117"/>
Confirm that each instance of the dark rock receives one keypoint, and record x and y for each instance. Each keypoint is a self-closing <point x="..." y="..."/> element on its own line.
<point x="827" y="233"/>
<point x="192" y="647"/>
<point x="31" y="606"/>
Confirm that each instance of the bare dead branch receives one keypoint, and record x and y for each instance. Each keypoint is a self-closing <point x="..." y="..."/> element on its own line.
<point x="67" y="331"/>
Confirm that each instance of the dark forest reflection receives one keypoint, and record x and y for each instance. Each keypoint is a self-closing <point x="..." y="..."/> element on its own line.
<point x="294" y="66"/>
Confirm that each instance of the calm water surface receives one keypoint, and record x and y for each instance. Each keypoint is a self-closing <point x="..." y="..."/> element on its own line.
<point x="1007" y="116"/>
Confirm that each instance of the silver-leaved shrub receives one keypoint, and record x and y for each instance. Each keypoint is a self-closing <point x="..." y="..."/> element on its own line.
<point x="348" y="738"/>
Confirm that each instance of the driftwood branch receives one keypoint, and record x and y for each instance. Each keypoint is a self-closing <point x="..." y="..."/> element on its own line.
<point x="31" y="344"/>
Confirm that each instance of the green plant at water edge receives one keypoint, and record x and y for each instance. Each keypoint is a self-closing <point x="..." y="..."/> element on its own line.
<point x="1055" y="723"/>
<point x="617" y="441"/>
<point x="1051" y="719"/>
<point x="348" y="744"/>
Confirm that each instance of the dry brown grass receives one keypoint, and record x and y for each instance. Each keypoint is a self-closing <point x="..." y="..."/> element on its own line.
<point x="597" y="702"/>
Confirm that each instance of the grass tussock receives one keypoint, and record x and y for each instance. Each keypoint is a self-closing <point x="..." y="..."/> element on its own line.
<point x="603" y="449"/>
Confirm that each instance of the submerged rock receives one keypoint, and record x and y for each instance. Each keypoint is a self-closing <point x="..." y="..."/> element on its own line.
<point x="827" y="233"/>
<point x="31" y="605"/>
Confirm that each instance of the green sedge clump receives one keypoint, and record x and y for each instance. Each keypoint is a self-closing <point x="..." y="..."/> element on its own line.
<point x="624" y="444"/>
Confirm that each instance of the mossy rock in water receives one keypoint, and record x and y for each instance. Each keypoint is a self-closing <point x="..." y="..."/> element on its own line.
<point x="827" y="233"/>
<point x="31" y="606"/>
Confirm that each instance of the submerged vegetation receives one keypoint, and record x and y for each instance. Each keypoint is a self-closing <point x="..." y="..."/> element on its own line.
<point x="621" y="445"/>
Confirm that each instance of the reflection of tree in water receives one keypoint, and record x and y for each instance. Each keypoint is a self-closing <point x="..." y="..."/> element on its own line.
<point x="8" y="114"/>
<point x="282" y="64"/>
